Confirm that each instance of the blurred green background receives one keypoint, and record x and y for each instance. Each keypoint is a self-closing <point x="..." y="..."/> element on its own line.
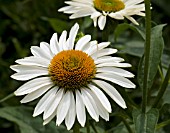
<point x="24" y="23"/>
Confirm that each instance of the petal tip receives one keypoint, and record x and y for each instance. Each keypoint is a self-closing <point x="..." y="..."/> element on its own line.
<point x="44" y="123"/>
<point x="124" y="106"/>
<point x="69" y="127"/>
<point x="34" y="115"/>
<point x="16" y="93"/>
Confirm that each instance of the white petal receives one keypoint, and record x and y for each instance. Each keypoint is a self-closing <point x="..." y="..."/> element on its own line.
<point x="141" y="14"/>
<point x="21" y="68"/>
<point x="46" y="121"/>
<point x="88" y="46"/>
<point x="34" y="95"/>
<point x="46" y="48"/>
<point x="54" y="44"/>
<point x="102" y="22"/>
<point x="112" y="92"/>
<point x="33" y="85"/>
<point x="62" y="41"/>
<point x="82" y="42"/>
<point x="83" y="12"/>
<point x="95" y="22"/>
<point x="117" y="71"/>
<point x="63" y="107"/>
<point x="26" y="75"/>
<point x="132" y="20"/>
<point x="66" y="8"/>
<point x="80" y="109"/>
<point x="44" y="102"/>
<point x="90" y="104"/>
<point x="78" y="3"/>
<point x="71" y="10"/>
<point x="34" y="61"/>
<point x="113" y="64"/>
<point x="95" y="14"/>
<point x="124" y="82"/>
<point x="85" y="1"/>
<point x="102" y="111"/>
<point x="52" y="107"/>
<point x="101" y="96"/>
<point x="97" y="47"/>
<point x="67" y="44"/>
<point x="72" y="35"/>
<point x="133" y="2"/>
<point x="103" y="52"/>
<point x="116" y="15"/>
<point x="71" y="115"/>
<point x="38" y="52"/>
<point x="105" y="59"/>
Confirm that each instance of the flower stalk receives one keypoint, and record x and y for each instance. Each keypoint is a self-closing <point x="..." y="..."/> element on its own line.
<point x="147" y="54"/>
<point x="7" y="97"/>
<point x="127" y="125"/>
<point x="162" y="89"/>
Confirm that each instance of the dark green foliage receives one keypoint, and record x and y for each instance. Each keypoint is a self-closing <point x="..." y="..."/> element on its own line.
<point x="21" y="116"/>
<point x="145" y="123"/>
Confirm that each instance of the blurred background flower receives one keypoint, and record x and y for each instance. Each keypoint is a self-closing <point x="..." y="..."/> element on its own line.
<point x="99" y="10"/>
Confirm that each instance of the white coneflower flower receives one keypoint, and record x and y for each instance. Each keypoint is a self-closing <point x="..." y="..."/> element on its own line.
<point x="72" y="78"/>
<point x="100" y="9"/>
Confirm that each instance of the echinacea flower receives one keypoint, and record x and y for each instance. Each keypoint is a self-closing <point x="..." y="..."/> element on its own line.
<point x="100" y="9"/>
<point x="72" y="76"/>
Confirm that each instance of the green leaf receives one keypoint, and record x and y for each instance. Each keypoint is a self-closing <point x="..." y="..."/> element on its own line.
<point x="58" y="25"/>
<point x="121" y="128"/>
<point x="86" y="23"/>
<point x="22" y="116"/>
<point x="134" y="48"/>
<point x="166" y="96"/>
<point x="166" y="57"/>
<point x="122" y="27"/>
<point x="156" y="50"/>
<point x="145" y="123"/>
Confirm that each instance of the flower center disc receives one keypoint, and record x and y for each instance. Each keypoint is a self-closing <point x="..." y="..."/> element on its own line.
<point x="72" y="69"/>
<point x="109" y="5"/>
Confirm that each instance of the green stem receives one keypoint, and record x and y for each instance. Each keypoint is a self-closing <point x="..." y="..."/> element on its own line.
<point x="76" y="128"/>
<point x="162" y="124"/>
<point x="7" y="97"/>
<point x="94" y="128"/>
<point x="160" y="72"/>
<point x="162" y="89"/>
<point x="127" y="125"/>
<point x="147" y="53"/>
<point x="88" y="126"/>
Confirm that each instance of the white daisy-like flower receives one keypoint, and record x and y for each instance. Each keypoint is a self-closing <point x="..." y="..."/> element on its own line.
<point x="100" y="9"/>
<point x="72" y="75"/>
